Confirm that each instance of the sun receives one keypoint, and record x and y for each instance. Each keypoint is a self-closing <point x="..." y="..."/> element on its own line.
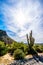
<point x="20" y="17"/>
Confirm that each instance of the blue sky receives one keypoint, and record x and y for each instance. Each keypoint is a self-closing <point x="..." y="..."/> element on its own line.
<point x="19" y="17"/>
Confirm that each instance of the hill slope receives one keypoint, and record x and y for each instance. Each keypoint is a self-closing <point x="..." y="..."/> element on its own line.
<point x="4" y="37"/>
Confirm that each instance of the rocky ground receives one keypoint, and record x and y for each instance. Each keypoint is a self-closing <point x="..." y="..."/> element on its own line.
<point x="29" y="60"/>
<point x="26" y="62"/>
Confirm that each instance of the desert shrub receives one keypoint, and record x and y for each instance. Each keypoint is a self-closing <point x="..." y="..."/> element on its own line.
<point x="24" y="48"/>
<point x="33" y="51"/>
<point x="20" y="46"/>
<point x="42" y="48"/>
<point x="38" y="48"/>
<point x="18" y="54"/>
<point x="3" y="48"/>
<point x="13" y="47"/>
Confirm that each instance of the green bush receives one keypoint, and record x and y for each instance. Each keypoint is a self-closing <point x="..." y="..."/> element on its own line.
<point x="42" y="48"/>
<point x="3" y="49"/>
<point x="18" y="54"/>
<point x="33" y="51"/>
<point x="13" y="47"/>
<point x="38" y="48"/>
<point x="24" y="48"/>
<point x="16" y="45"/>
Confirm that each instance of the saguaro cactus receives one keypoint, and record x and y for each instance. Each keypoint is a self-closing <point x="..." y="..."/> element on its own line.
<point x="27" y="39"/>
<point x="30" y="40"/>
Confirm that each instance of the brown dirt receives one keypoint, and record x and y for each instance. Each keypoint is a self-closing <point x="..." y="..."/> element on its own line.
<point x="28" y="56"/>
<point x="40" y="54"/>
<point x="6" y="59"/>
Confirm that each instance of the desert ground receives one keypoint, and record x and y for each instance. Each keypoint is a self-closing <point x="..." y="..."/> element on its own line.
<point x="29" y="60"/>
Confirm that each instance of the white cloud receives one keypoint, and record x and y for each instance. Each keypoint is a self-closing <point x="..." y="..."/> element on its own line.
<point x="24" y="13"/>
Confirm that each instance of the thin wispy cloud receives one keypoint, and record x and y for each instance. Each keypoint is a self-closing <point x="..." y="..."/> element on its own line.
<point x="22" y="16"/>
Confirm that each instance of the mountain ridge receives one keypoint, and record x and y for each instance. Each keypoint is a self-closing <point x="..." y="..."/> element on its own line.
<point x="5" y="38"/>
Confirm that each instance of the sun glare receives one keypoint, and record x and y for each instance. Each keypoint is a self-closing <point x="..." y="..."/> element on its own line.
<point x="20" y="18"/>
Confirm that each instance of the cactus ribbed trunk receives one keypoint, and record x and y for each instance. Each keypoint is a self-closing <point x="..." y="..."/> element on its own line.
<point x="30" y="40"/>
